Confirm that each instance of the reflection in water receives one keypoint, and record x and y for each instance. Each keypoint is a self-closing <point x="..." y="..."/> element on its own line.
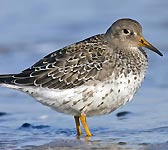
<point x="79" y="144"/>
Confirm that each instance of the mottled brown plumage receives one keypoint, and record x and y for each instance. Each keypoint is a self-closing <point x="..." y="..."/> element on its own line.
<point x="69" y="67"/>
<point x="91" y="77"/>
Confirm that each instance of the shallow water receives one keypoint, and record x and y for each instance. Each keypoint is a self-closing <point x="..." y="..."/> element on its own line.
<point x="31" y="32"/>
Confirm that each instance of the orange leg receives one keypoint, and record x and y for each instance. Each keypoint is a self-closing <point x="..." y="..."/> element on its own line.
<point x="78" y="129"/>
<point x="85" y="126"/>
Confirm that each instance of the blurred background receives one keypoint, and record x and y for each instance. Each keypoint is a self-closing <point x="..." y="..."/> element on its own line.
<point x="29" y="30"/>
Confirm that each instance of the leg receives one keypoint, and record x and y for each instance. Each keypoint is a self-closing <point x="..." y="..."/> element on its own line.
<point x="78" y="129"/>
<point x="85" y="126"/>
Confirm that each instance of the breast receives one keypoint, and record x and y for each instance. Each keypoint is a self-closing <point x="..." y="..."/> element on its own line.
<point x="113" y="93"/>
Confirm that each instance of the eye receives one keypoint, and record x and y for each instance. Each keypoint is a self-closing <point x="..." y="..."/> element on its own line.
<point x="125" y="31"/>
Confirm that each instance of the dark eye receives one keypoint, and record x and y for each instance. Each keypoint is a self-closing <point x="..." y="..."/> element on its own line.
<point x="126" y="31"/>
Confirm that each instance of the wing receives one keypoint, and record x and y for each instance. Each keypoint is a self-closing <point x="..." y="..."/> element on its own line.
<point x="71" y="66"/>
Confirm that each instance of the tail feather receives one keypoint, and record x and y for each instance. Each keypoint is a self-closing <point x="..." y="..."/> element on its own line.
<point x="6" y="79"/>
<point x="16" y="79"/>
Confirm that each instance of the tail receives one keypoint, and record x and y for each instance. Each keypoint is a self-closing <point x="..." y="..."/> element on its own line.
<point x="16" y="80"/>
<point x="7" y="79"/>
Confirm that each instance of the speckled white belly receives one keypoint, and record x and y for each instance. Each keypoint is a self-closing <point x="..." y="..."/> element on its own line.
<point x="94" y="99"/>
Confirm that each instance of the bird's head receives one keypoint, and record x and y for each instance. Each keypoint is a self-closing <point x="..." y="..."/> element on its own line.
<point x="128" y="33"/>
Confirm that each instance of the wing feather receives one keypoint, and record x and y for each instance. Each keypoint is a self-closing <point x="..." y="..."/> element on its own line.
<point x="71" y="66"/>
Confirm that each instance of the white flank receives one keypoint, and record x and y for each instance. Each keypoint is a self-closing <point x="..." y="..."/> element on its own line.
<point x="91" y="100"/>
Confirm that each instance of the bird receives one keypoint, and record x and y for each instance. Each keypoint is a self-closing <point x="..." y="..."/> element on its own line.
<point x="92" y="77"/>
